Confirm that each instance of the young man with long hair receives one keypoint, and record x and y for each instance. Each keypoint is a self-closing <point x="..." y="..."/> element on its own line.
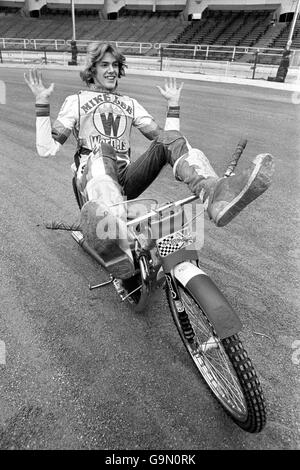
<point x="101" y="120"/>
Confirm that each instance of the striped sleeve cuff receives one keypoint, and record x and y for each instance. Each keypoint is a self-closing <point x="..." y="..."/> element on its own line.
<point x="60" y="133"/>
<point x="173" y="111"/>
<point x="42" y="110"/>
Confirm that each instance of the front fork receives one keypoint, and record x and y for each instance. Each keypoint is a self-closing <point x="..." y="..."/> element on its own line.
<point x="185" y="323"/>
<point x="182" y="315"/>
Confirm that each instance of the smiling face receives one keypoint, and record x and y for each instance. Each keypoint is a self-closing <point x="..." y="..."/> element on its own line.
<point x="107" y="70"/>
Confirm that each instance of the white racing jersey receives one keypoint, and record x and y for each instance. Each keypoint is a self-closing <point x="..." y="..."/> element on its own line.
<point x="94" y="117"/>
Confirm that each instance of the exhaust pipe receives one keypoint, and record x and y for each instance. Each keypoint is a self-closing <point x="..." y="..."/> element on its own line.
<point x="79" y="238"/>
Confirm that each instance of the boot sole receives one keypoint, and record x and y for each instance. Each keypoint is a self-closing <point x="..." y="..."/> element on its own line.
<point x="257" y="184"/>
<point x="118" y="264"/>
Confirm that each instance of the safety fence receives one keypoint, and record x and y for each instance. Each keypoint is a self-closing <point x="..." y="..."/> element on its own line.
<point x="184" y="51"/>
<point x="236" y="61"/>
<point x="65" y="45"/>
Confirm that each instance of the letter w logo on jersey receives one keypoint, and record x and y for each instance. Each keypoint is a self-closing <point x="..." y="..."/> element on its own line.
<point x="110" y="120"/>
<point x="110" y="124"/>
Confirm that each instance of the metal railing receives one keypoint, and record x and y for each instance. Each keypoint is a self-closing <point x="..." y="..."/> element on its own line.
<point x="184" y="51"/>
<point x="61" y="44"/>
<point x="240" y="61"/>
<point x="225" y="53"/>
<point x="56" y="44"/>
<point x="20" y="43"/>
<point x="14" y="42"/>
<point x="129" y="47"/>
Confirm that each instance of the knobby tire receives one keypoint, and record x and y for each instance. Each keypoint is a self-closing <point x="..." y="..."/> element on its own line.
<point x="245" y="403"/>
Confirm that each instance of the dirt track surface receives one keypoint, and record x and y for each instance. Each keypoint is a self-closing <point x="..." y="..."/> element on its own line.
<point x="84" y="372"/>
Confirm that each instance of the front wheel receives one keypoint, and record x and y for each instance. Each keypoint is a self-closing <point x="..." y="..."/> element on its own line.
<point x="223" y="363"/>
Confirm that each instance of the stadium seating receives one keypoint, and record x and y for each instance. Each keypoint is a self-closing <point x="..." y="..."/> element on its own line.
<point x="226" y="27"/>
<point x="131" y="27"/>
<point x="222" y="28"/>
<point x="246" y="30"/>
<point x="281" y="40"/>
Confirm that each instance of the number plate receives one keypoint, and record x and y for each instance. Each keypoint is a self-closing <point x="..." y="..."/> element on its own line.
<point x="174" y="242"/>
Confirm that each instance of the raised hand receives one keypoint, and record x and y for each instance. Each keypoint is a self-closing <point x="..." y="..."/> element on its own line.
<point x="171" y="92"/>
<point x="35" y="83"/>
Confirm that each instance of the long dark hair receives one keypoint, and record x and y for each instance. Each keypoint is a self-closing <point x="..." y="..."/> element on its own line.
<point x="95" y="52"/>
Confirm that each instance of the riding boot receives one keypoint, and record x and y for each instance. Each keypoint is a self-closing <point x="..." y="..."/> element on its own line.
<point x="106" y="231"/>
<point x="103" y="217"/>
<point x="223" y="197"/>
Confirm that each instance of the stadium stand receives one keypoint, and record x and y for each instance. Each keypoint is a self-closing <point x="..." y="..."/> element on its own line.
<point x="223" y="29"/>
<point x="271" y="33"/>
<point x="132" y="27"/>
<point x="232" y="28"/>
<point x="281" y="39"/>
<point x="247" y="29"/>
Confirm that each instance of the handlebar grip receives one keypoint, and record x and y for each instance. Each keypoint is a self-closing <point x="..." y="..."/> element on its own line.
<point x="235" y="157"/>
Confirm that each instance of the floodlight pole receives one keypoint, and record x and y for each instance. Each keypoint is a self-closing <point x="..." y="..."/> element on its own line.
<point x="73" y="20"/>
<point x="285" y="59"/>
<point x="73" y="42"/>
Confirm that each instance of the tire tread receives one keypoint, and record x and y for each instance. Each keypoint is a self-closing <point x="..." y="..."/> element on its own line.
<point x="238" y="356"/>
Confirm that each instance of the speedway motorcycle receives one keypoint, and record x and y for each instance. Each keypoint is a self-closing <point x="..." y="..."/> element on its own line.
<point x="166" y="257"/>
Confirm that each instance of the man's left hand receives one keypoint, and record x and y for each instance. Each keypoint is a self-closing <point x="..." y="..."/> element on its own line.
<point x="171" y="92"/>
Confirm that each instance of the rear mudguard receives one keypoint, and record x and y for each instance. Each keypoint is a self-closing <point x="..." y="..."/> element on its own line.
<point x="209" y="298"/>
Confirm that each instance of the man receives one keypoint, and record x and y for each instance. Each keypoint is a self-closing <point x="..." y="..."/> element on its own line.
<point x="101" y="120"/>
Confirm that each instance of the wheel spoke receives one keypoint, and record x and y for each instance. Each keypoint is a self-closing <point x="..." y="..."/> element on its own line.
<point x="230" y="387"/>
<point x="220" y="375"/>
<point x="221" y="364"/>
<point x="225" y="375"/>
<point x="194" y="318"/>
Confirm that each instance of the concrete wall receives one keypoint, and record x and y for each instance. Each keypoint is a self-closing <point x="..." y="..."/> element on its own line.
<point x="198" y="6"/>
<point x="83" y="4"/>
<point x="190" y="6"/>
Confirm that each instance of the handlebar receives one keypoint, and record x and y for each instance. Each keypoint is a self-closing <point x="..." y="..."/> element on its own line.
<point x="235" y="157"/>
<point x="154" y="212"/>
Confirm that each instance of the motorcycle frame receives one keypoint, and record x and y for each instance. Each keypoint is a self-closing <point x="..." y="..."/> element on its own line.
<point x="183" y="266"/>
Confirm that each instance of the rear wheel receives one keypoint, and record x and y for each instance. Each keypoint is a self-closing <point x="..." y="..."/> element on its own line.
<point x="224" y="364"/>
<point x="138" y="293"/>
<point x="138" y="287"/>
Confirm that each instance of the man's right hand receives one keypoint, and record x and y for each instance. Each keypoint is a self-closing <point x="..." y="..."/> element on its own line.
<point x="35" y="83"/>
<point x="171" y="92"/>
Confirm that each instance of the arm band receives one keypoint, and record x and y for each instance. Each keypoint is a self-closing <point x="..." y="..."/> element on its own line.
<point x="42" y="110"/>
<point x="173" y="112"/>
